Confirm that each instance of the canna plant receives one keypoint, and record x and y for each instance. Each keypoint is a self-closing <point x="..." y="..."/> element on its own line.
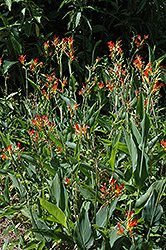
<point x="79" y="161"/>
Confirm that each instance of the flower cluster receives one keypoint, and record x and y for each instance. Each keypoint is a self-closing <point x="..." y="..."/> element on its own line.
<point x="34" y="136"/>
<point x="7" y="152"/>
<point x="128" y="225"/>
<point x="115" y="48"/>
<point x="81" y="130"/>
<point x="42" y="122"/>
<point x="140" y="42"/>
<point x="112" y="191"/>
<point x="60" y="46"/>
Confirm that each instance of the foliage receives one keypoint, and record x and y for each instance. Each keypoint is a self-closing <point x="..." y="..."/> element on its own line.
<point x="26" y="25"/>
<point x="82" y="164"/>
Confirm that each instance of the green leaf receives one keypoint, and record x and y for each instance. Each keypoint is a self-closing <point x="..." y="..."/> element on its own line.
<point x="101" y="216"/>
<point x="16" y="45"/>
<point x="143" y="199"/>
<point x="114" y="237"/>
<point x="92" y="192"/>
<point x="152" y="211"/>
<point x="29" y="158"/>
<point x="132" y="149"/>
<point x="115" y="144"/>
<point x="5" y="244"/>
<point x="145" y="124"/>
<point x="17" y="184"/>
<point x="55" y="190"/>
<point x="78" y="17"/>
<point x="35" y="86"/>
<point x="135" y="133"/>
<point x="140" y="106"/>
<point x="55" y="211"/>
<point x="5" y="142"/>
<point x="41" y="245"/>
<point x="8" y="4"/>
<point x="11" y="210"/>
<point x="54" y="234"/>
<point x="83" y="233"/>
<point x="7" y="65"/>
<point x="141" y="6"/>
<point x="123" y="148"/>
<point x="55" y="162"/>
<point x="27" y="27"/>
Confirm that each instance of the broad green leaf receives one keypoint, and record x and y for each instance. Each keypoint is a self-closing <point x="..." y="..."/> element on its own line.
<point x="114" y="237"/>
<point x="55" y="211"/>
<point x="123" y="148"/>
<point x="141" y="171"/>
<point x="143" y="199"/>
<point x="105" y="213"/>
<point x="27" y="27"/>
<point x="83" y="233"/>
<point x="4" y="140"/>
<point x="55" y="190"/>
<point x="55" y="140"/>
<point x="132" y="149"/>
<point x="152" y="211"/>
<point x="16" y="45"/>
<point x="55" y="235"/>
<point x="106" y="142"/>
<point x="135" y="133"/>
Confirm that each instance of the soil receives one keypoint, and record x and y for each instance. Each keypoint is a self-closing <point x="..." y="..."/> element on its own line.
<point x="5" y="223"/>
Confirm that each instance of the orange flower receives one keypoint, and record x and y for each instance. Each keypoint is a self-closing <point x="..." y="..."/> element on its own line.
<point x="101" y="85"/>
<point x="109" y="86"/>
<point x="118" y="189"/>
<point x="163" y="143"/>
<point x="138" y="63"/>
<point x="120" y="229"/>
<point x="80" y="130"/>
<point x="67" y="182"/>
<point x="156" y="86"/>
<point x="46" y="45"/>
<point x="41" y="123"/>
<point x="22" y="59"/>
<point x="130" y="222"/>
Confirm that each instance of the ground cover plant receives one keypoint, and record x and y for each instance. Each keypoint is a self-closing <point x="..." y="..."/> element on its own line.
<point x="83" y="163"/>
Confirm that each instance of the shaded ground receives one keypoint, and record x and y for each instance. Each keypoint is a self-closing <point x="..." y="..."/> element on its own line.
<point x="5" y="224"/>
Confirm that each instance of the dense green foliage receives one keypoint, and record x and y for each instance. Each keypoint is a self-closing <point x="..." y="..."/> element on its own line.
<point x="83" y="164"/>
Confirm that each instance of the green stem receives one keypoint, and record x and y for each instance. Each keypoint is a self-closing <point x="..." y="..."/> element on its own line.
<point x="26" y="82"/>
